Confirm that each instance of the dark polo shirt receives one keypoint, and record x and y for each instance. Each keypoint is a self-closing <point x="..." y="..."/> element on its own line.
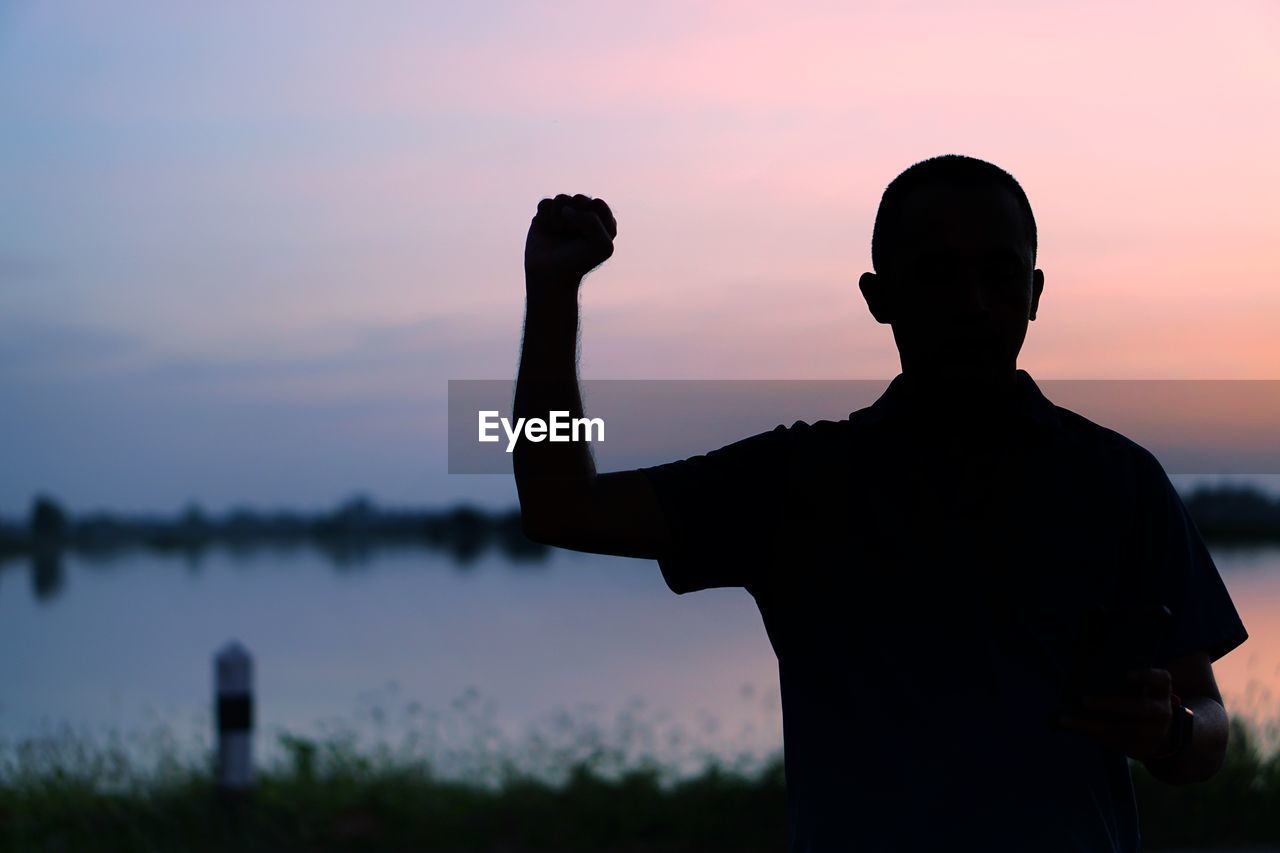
<point x="923" y="578"/>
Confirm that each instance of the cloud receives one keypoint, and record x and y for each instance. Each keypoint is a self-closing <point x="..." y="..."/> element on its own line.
<point x="17" y="270"/>
<point x="43" y="346"/>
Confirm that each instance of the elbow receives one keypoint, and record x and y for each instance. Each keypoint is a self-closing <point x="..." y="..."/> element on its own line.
<point x="543" y="522"/>
<point x="537" y="528"/>
<point x="1215" y="761"/>
<point x="548" y="509"/>
<point x="1207" y="755"/>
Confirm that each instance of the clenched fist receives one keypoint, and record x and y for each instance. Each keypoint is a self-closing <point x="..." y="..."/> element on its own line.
<point x="568" y="237"/>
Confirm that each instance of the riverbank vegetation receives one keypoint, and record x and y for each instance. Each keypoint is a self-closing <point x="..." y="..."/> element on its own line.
<point x="325" y="795"/>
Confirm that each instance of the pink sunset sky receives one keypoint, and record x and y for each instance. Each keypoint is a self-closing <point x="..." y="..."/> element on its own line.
<point x="245" y="246"/>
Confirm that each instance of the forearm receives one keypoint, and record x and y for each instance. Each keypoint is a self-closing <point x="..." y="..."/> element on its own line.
<point x="1203" y="756"/>
<point x="550" y="476"/>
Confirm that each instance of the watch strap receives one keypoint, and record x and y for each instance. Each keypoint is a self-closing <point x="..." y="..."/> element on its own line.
<point x="1179" y="727"/>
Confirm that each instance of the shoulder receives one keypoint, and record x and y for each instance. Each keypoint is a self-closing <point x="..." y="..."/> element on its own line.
<point x="817" y="433"/>
<point x="779" y="444"/>
<point x="800" y="432"/>
<point x="1119" y="453"/>
<point x="802" y="443"/>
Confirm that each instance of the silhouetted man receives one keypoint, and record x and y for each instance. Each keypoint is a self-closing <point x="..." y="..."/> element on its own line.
<point x="924" y="568"/>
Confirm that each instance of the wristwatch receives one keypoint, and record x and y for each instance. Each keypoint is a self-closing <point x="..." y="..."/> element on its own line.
<point x="1179" y="727"/>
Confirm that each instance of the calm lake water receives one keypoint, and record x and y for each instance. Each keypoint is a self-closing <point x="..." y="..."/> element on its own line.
<point x="411" y="641"/>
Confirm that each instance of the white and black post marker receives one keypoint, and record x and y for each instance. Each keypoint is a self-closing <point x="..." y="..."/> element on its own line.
<point x="233" y="692"/>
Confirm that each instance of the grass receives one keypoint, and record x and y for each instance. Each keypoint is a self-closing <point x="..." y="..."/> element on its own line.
<point x="66" y="793"/>
<point x="328" y="798"/>
<point x="1239" y="806"/>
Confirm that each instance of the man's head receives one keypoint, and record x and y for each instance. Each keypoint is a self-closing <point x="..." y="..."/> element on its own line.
<point x="954" y="249"/>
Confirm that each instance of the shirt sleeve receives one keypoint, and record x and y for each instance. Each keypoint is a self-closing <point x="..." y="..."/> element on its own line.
<point x="723" y="510"/>
<point x="1183" y="576"/>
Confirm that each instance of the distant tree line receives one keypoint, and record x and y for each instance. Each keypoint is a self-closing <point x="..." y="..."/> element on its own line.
<point x="348" y="534"/>
<point x="355" y="529"/>
<point x="1235" y="513"/>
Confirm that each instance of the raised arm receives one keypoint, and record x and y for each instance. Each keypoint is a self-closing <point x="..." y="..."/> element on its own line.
<point x="563" y="501"/>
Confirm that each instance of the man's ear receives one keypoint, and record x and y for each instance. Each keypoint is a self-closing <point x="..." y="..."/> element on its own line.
<point x="1037" y="287"/>
<point x="876" y="291"/>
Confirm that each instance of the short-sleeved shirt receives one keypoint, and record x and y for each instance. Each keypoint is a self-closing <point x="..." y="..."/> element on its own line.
<point x="924" y="579"/>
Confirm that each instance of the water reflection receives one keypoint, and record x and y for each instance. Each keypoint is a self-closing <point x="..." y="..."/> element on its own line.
<point x="134" y="643"/>
<point x="47" y="577"/>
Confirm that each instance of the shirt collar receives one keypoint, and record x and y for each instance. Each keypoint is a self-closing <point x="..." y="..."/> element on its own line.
<point x="1025" y="403"/>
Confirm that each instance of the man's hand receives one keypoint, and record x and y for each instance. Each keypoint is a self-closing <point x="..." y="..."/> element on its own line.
<point x="568" y="237"/>
<point x="1135" y="721"/>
